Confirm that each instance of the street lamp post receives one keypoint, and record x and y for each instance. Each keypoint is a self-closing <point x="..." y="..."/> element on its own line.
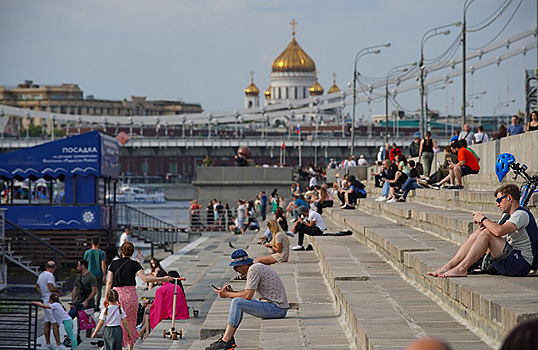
<point x="435" y="87"/>
<point x="361" y="53"/>
<point x="499" y="105"/>
<point x="429" y="34"/>
<point x="398" y="69"/>
<point x="466" y="5"/>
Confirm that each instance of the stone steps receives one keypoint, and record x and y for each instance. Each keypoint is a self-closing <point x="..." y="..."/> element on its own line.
<point x="382" y="309"/>
<point x="485" y="303"/>
<point x="312" y="322"/>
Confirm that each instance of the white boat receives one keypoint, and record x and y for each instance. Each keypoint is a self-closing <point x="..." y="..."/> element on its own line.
<point x="132" y="194"/>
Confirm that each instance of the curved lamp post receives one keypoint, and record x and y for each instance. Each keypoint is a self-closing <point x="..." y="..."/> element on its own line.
<point x="428" y="35"/>
<point x="398" y="69"/>
<point x="361" y="53"/>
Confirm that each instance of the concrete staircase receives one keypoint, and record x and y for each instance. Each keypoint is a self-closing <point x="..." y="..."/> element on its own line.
<point x="379" y="275"/>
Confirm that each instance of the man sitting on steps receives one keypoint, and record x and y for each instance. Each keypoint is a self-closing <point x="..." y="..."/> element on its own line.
<point x="513" y="244"/>
<point x="262" y="279"/>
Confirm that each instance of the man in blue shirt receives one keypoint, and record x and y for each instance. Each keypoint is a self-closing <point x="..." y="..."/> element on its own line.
<point x="515" y="128"/>
<point x="298" y="202"/>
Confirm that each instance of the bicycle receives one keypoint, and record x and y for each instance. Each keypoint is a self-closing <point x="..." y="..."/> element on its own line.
<point x="505" y="163"/>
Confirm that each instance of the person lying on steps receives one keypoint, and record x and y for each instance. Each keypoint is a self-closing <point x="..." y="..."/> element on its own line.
<point x="513" y="244"/>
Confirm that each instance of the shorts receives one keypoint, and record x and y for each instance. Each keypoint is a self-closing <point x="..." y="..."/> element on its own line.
<point x="279" y="257"/>
<point x="49" y="317"/>
<point x="511" y="262"/>
<point x="466" y="170"/>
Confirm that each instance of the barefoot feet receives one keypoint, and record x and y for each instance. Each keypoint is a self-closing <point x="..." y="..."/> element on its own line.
<point x="455" y="272"/>
<point x="439" y="271"/>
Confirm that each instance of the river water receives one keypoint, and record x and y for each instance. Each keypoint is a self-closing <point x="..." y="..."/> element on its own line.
<point x="173" y="212"/>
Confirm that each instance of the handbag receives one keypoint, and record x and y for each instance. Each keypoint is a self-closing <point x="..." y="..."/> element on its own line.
<point x="85" y="319"/>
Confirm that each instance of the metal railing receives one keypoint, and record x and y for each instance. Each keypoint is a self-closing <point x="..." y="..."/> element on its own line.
<point x="18" y="324"/>
<point x="205" y="220"/>
<point x="30" y="246"/>
<point x="3" y="264"/>
<point x="148" y="227"/>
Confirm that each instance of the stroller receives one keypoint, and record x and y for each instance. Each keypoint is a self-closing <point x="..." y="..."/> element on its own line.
<point x="253" y="224"/>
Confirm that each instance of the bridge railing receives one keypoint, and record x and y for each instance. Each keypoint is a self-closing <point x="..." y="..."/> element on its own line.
<point x="212" y="220"/>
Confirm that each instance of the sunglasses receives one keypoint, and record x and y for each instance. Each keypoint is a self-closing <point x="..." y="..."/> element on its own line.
<point x="500" y="199"/>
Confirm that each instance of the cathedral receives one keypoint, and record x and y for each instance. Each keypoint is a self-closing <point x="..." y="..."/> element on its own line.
<point x="293" y="77"/>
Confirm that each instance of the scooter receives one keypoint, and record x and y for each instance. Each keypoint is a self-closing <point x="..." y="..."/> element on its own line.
<point x="172" y="333"/>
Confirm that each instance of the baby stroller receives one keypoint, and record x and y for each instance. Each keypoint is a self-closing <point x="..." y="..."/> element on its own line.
<point x="253" y="224"/>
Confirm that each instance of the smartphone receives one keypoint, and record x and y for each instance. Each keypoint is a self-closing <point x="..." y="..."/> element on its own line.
<point x="215" y="288"/>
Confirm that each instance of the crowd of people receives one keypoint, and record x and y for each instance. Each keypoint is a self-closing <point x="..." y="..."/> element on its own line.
<point x="124" y="319"/>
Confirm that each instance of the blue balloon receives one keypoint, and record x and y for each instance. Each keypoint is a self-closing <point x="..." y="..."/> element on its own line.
<point x="502" y="166"/>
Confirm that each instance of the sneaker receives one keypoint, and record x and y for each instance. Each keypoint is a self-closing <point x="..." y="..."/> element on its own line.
<point x="381" y="199"/>
<point x="401" y="199"/>
<point x="62" y="347"/>
<point x="222" y="345"/>
<point x="298" y="247"/>
<point x="343" y="206"/>
<point x="309" y="247"/>
<point x="423" y="183"/>
<point x="50" y="346"/>
<point x="393" y="200"/>
<point x="348" y="207"/>
<point x="436" y="186"/>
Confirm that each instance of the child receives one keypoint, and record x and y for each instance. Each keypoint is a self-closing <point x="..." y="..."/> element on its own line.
<point x="112" y="317"/>
<point x="140" y="256"/>
<point x="61" y="316"/>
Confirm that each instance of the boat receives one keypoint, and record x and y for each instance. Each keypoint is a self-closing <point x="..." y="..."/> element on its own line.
<point x="133" y="194"/>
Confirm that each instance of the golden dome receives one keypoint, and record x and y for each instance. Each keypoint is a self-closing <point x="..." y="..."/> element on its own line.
<point x="316" y="89"/>
<point x="268" y="93"/>
<point x="293" y="59"/>
<point x="252" y="89"/>
<point x="333" y="88"/>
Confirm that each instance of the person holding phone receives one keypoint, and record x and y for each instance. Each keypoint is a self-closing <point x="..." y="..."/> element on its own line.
<point x="273" y="301"/>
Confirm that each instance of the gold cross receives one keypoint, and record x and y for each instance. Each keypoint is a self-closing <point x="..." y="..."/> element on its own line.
<point x="293" y="24"/>
<point x="252" y="76"/>
<point x="334" y="78"/>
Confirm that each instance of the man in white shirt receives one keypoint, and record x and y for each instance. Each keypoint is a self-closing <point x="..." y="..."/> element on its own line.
<point x="481" y="136"/>
<point x="362" y="161"/>
<point x="45" y="286"/>
<point x="125" y="236"/>
<point x="312" y="226"/>
<point x="467" y="134"/>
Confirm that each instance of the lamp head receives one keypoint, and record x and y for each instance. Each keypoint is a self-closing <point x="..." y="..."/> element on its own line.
<point x="446" y="32"/>
<point x="457" y="24"/>
<point x="376" y="51"/>
<point x="387" y="45"/>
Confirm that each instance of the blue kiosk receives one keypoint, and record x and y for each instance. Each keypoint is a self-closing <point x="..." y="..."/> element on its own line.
<point x="74" y="176"/>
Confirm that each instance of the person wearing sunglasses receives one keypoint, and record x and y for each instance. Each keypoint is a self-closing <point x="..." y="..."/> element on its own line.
<point x="273" y="301"/>
<point x="513" y="244"/>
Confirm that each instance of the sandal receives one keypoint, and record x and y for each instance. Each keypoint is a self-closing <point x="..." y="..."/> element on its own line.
<point x="240" y="278"/>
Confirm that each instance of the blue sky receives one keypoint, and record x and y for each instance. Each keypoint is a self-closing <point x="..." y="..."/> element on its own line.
<point x="202" y="51"/>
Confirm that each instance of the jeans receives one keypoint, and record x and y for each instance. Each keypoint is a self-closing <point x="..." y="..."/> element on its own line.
<point x="255" y="308"/>
<point x="386" y="189"/>
<point x="409" y="184"/>
<point x="263" y="209"/>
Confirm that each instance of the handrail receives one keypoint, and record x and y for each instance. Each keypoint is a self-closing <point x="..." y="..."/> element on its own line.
<point x="18" y="324"/>
<point x="149" y="216"/>
<point x="37" y="238"/>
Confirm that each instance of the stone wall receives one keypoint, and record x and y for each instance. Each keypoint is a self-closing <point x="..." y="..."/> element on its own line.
<point x="232" y="183"/>
<point x="360" y="173"/>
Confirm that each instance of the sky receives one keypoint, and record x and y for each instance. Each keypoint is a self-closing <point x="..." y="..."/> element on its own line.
<point x="202" y="51"/>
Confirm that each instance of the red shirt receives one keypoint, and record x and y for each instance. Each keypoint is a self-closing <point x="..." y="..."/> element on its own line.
<point x="469" y="159"/>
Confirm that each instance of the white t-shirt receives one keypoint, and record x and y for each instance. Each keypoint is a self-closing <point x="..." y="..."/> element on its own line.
<point x="362" y="162"/>
<point x="481" y="137"/>
<point x="59" y="313"/>
<point x="468" y="136"/>
<point x="124" y="238"/>
<point x="113" y="317"/>
<point x="519" y="239"/>
<point x="43" y="281"/>
<point x="313" y="216"/>
<point x="313" y="181"/>
<point x="241" y="213"/>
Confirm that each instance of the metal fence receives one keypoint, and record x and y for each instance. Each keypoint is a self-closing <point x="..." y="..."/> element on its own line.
<point x="206" y="220"/>
<point x="148" y="227"/>
<point x="3" y="263"/>
<point x="18" y="324"/>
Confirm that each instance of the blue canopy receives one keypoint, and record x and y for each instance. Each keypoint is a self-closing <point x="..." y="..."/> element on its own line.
<point x="92" y="153"/>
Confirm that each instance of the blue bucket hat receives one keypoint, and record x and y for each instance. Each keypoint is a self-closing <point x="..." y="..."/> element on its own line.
<point x="240" y="257"/>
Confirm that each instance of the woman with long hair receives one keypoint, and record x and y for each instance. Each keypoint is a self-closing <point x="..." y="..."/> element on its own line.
<point x="533" y="124"/>
<point x="279" y="246"/>
<point x="122" y="277"/>
<point x="156" y="270"/>
<point x="425" y="152"/>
